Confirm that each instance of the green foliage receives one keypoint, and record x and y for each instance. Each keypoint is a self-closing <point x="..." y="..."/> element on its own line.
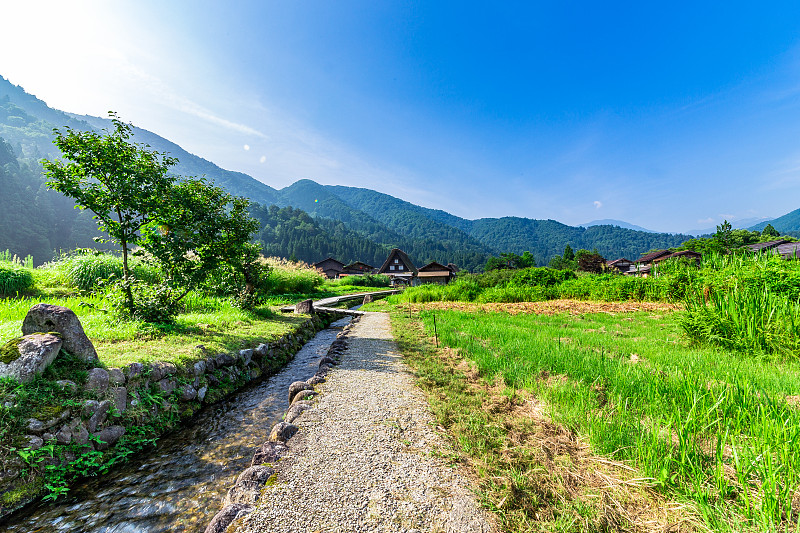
<point x="364" y="280"/>
<point x="286" y="277"/>
<point x="88" y="269"/>
<point x="769" y="231"/>
<point x="14" y="278"/>
<point x="704" y="424"/>
<point x="510" y="260"/>
<point x="590" y="261"/>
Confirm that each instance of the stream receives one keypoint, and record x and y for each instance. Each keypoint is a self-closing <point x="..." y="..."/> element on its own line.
<point x="180" y="485"/>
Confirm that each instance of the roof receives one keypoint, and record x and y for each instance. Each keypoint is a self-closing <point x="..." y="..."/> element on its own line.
<point x="357" y="263"/>
<point x="402" y="256"/>
<point x="682" y="253"/>
<point x="761" y="246"/>
<point x="319" y="264"/>
<point x="652" y="255"/>
<point x="618" y="261"/>
<point x="789" y="249"/>
<point x="433" y="266"/>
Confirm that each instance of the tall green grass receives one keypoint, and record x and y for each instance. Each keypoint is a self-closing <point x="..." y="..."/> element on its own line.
<point x="704" y="425"/>
<point x="15" y="274"/>
<point x="87" y="270"/>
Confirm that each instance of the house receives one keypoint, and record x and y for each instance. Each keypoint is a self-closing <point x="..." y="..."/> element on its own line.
<point x="358" y="268"/>
<point x="400" y="268"/>
<point x="689" y="254"/>
<point x="621" y="265"/>
<point x="330" y="266"/>
<point x="652" y="256"/>
<point x="764" y="246"/>
<point x="437" y="273"/>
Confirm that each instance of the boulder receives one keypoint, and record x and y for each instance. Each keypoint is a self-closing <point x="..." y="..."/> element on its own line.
<point x="224" y="518"/>
<point x="166" y="386"/>
<point x="99" y="416"/>
<point x="368" y="299"/>
<point x="25" y="357"/>
<point x="97" y="380"/>
<point x="109" y="436"/>
<point x="201" y="393"/>
<point x="303" y="395"/>
<point x="295" y="410"/>
<point x="269" y="452"/>
<point x="246" y="356"/>
<point x="188" y="393"/>
<point x="34" y="443"/>
<point x="199" y="368"/>
<point x="44" y="318"/>
<point x="262" y="350"/>
<point x="64" y="435"/>
<point x="134" y="371"/>
<point x="246" y="492"/>
<point x="119" y="396"/>
<point x="316" y="380"/>
<point x="161" y="370"/>
<point x="116" y="376"/>
<point x="281" y="432"/>
<point x="259" y="473"/>
<point x="305" y="307"/>
<point x="296" y="387"/>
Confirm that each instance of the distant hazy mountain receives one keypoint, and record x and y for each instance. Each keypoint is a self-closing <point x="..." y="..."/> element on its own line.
<point x="745" y="223"/>
<point x="618" y="223"/>
<point x="351" y="223"/>
<point x="790" y="222"/>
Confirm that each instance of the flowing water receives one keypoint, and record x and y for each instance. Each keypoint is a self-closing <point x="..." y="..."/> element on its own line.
<point x="180" y="485"/>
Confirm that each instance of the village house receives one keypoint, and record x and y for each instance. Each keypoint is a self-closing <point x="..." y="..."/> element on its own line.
<point x="330" y="266"/>
<point x="399" y="267"/>
<point x="437" y="273"/>
<point x="357" y="269"/>
<point x="621" y="265"/>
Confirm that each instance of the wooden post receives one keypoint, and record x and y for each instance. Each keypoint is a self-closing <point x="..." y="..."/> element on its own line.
<point x="435" y="334"/>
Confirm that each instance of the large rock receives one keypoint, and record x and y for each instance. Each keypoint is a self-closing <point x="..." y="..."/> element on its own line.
<point x="269" y="452"/>
<point x="281" y="432"/>
<point x="97" y="380"/>
<point x="305" y="307"/>
<point x="45" y="318"/>
<point x="24" y="357"/>
<point x="226" y="516"/>
<point x="296" y="387"/>
<point x="295" y="410"/>
<point x="109" y="436"/>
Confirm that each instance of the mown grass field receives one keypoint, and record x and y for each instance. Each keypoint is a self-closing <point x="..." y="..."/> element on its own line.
<point x="711" y="434"/>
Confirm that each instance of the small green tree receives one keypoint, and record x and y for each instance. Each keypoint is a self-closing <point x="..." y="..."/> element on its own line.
<point x="590" y="261"/>
<point x="769" y="231"/>
<point x="724" y="235"/>
<point x="569" y="255"/>
<point x="122" y="183"/>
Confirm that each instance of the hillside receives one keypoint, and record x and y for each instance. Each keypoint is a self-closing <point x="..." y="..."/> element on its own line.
<point x="788" y="223"/>
<point x="347" y="222"/>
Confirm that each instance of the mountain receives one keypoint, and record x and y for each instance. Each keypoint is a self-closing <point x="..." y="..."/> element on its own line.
<point x="347" y="222"/>
<point x="618" y="223"/>
<point x="788" y="223"/>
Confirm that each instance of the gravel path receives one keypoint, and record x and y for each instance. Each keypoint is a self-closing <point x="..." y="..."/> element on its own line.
<point x="365" y="458"/>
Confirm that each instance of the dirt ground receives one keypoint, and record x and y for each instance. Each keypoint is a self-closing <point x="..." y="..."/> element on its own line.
<point x="552" y="307"/>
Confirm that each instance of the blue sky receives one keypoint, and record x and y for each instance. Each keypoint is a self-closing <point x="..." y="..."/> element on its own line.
<point x="671" y="116"/>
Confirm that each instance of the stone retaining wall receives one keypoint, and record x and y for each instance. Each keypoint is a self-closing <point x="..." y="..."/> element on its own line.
<point x="246" y="491"/>
<point x="160" y="394"/>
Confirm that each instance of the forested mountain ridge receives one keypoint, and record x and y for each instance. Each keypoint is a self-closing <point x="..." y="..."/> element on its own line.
<point x="348" y="223"/>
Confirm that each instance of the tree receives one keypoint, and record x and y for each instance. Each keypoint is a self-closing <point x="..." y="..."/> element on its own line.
<point x="569" y="255"/>
<point x="590" y="261"/>
<point x="122" y="183"/>
<point x="198" y="229"/>
<point x="724" y="235"/>
<point x="186" y="226"/>
<point x="770" y="231"/>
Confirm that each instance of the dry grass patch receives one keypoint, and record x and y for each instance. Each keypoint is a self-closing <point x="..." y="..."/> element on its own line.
<point x="549" y="307"/>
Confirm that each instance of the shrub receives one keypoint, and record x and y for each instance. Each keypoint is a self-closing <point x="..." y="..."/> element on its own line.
<point x="365" y="280"/>
<point x="14" y="279"/>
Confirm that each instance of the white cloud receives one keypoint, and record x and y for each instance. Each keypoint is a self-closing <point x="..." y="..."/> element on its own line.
<point x="598" y="204"/>
<point x="708" y="220"/>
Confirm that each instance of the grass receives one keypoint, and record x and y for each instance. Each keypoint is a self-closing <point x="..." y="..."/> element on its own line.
<point x="716" y="430"/>
<point x="215" y="323"/>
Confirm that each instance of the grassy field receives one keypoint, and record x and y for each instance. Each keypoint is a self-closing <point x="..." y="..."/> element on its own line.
<point x="710" y="434"/>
